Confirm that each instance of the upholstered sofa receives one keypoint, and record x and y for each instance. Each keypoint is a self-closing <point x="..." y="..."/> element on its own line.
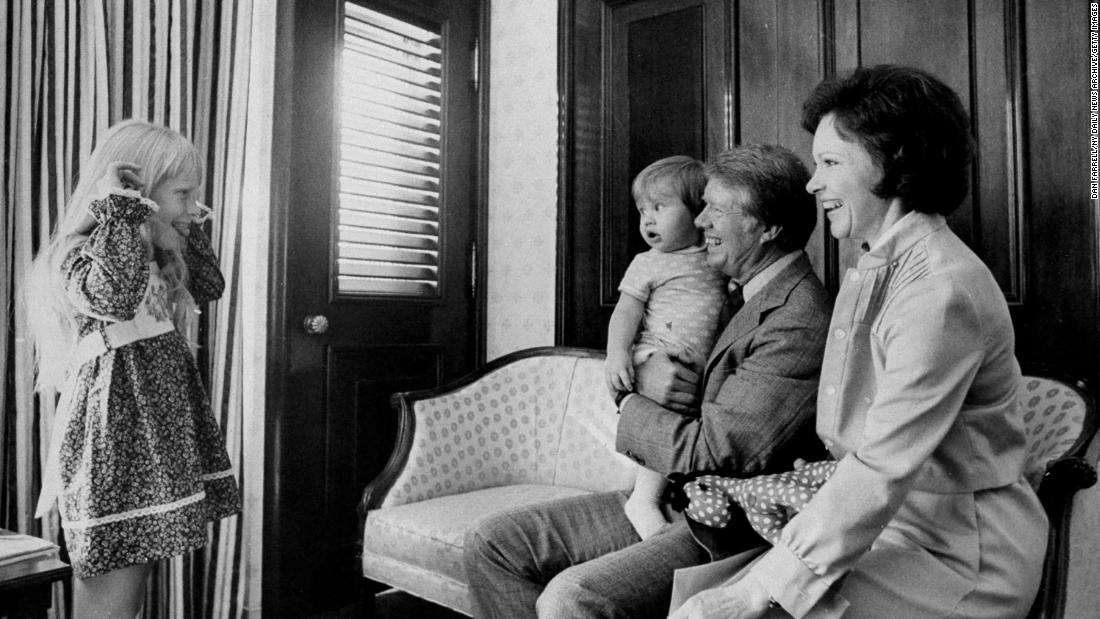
<point x="538" y="424"/>
<point x="529" y="427"/>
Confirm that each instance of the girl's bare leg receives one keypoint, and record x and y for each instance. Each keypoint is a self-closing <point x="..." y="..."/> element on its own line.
<point x="115" y="595"/>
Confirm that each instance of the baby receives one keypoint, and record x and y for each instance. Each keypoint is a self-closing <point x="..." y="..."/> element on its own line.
<point x="670" y="301"/>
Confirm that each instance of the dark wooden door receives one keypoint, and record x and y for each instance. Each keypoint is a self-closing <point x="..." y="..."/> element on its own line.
<point x="1015" y="64"/>
<point x="375" y="255"/>
<point x="645" y="80"/>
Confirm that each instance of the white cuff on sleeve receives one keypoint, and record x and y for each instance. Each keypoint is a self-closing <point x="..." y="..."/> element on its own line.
<point x="794" y="586"/>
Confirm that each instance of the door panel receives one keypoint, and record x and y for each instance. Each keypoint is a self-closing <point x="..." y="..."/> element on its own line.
<point x="1059" y="323"/>
<point x="654" y="66"/>
<point x="773" y="79"/>
<point x="1027" y="215"/>
<point x="335" y="429"/>
<point x="651" y="90"/>
<point x="887" y="34"/>
<point x="359" y="424"/>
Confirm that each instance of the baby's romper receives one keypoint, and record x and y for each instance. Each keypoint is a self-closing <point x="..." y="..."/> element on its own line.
<point x="142" y="461"/>
<point x="683" y="298"/>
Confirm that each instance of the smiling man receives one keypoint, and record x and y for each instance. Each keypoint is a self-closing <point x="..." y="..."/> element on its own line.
<point x="580" y="557"/>
<point x="760" y="382"/>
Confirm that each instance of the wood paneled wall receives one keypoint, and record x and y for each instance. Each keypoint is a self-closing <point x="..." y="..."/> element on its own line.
<point x="647" y="79"/>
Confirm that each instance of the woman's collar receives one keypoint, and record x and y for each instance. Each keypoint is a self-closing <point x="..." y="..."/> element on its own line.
<point x="901" y="236"/>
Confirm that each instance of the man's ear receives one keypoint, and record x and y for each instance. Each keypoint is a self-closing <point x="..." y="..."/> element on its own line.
<point x="770" y="234"/>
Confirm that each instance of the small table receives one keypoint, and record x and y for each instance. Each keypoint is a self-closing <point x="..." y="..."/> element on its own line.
<point x="26" y="586"/>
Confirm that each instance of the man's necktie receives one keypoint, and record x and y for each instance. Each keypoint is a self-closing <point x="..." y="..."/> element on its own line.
<point x="737" y="297"/>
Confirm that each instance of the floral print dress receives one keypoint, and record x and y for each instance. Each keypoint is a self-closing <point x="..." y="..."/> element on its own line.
<point x="142" y="461"/>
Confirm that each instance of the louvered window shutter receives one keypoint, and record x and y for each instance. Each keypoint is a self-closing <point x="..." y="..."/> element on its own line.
<point x="389" y="209"/>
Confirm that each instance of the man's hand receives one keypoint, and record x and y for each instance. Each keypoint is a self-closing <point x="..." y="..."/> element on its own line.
<point x="744" y="599"/>
<point x="667" y="382"/>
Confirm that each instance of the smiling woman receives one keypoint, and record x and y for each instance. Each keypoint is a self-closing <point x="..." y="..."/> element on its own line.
<point x="917" y="403"/>
<point x="873" y="163"/>
<point x="843" y="183"/>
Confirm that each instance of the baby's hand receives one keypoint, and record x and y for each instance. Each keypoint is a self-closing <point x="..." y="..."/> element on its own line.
<point x="619" y="373"/>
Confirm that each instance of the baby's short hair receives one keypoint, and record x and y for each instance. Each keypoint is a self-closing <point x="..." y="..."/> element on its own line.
<point x="685" y="176"/>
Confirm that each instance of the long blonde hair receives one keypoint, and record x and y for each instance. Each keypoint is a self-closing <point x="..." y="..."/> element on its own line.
<point x="163" y="154"/>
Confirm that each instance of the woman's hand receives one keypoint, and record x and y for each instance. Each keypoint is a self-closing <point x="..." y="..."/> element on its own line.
<point x="668" y="382"/>
<point x="745" y="599"/>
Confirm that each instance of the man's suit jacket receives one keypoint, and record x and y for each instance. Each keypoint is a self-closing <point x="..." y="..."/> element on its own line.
<point x="759" y="389"/>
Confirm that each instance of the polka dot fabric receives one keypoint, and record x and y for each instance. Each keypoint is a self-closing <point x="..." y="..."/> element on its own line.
<point x="768" y="501"/>
<point x="488" y="433"/>
<point x="541" y="420"/>
<point x="1053" y="415"/>
<point x="586" y="456"/>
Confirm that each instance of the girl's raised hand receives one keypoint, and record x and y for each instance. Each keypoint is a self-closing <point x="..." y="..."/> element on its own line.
<point x="197" y="213"/>
<point x="122" y="174"/>
<point x="119" y="175"/>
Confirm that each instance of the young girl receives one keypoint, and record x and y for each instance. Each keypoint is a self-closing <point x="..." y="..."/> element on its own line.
<point x="137" y="462"/>
<point x="670" y="301"/>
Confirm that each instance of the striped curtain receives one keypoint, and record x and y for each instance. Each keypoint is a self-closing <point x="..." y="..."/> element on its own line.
<point x="70" y="69"/>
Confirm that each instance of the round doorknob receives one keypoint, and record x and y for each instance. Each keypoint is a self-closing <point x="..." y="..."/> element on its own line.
<point x="315" y="324"/>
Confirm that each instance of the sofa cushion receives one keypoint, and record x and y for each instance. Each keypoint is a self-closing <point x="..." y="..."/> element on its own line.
<point x="422" y="542"/>
<point x="584" y="453"/>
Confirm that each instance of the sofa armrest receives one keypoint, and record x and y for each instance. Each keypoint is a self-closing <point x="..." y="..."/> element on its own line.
<point x="489" y="428"/>
<point x="375" y="491"/>
<point x="1060" y="481"/>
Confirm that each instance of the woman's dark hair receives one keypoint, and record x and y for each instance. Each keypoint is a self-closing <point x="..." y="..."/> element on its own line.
<point x="911" y="123"/>
<point x="776" y="180"/>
